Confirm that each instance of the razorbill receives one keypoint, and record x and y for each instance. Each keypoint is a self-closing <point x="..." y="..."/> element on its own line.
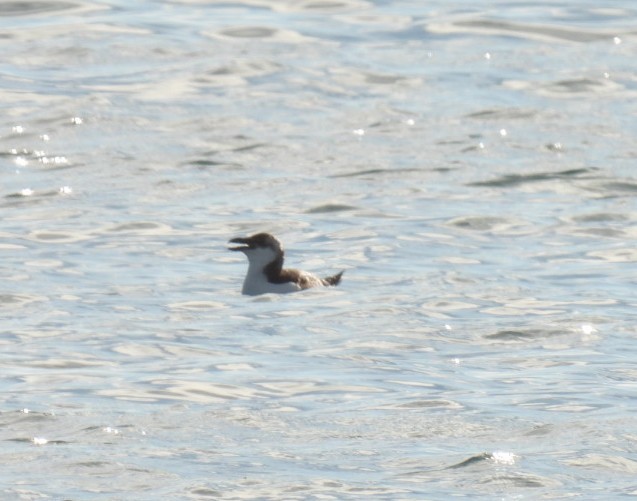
<point x="265" y="268"/>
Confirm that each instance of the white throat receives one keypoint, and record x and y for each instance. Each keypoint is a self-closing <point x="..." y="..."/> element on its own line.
<point x="256" y="282"/>
<point x="259" y="258"/>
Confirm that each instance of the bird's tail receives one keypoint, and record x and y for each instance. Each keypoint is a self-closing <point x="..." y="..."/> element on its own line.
<point x="334" y="279"/>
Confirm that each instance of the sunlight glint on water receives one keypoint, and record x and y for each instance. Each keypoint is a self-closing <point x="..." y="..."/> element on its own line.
<point x="471" y="167"/>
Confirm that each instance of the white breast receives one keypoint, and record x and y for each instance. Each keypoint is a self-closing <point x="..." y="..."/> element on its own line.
<point x="257" y="283"/>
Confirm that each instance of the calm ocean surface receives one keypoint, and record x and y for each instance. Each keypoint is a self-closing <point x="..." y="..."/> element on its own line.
<point x="470" y="164"/>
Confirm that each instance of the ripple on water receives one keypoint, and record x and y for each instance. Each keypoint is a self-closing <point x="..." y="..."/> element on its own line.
<point x="523" y="335"/>
<point x="289" y="388"/>
<point x="198" y="305"/>
<point x="235" y="74"/>
<point x="616" y="188"/>
<point x="489" y="292"/>
<point x="313" y="6"/>
<point x="572" y="88"/>
<point x="426" y="404"/>
<point x="524" y="307"/>
<point x="600" y="462"/>
<point x="68" y="363"/>
<point x="8" y="8"/>
<point x="603" y="217"/>
<point x="59" y="237"/>
<point x="261" y="33"/>
<point x="141" y="227"/>
<point x="203" y="392"/>
<point x="19" y="300"/>
<point x="29" y="197"/>
<point x="156" y="351"/>
<point x="511" y="180"/>
<point x="542" y="32"/>
<point x="616" y="255"/>
<point x="331" y="207"/>
<point x="487" y="224"/>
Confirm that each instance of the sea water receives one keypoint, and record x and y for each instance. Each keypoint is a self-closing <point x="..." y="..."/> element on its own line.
<point x="471" y="167"/>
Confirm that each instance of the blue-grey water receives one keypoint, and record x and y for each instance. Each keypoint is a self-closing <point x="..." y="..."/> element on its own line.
<point x="471" y="165"/>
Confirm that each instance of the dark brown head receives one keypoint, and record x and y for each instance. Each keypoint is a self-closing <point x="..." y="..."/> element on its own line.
<point x="264" y="240"/>
<point x="261" y="250"/>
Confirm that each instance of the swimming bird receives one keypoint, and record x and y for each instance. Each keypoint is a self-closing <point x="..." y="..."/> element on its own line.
<point x="265" y="268"/>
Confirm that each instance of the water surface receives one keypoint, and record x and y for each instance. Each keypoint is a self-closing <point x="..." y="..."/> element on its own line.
<point x="470" y="166"/>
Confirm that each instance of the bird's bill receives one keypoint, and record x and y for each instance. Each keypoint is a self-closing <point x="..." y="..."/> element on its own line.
<point x="240" y="240"/>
